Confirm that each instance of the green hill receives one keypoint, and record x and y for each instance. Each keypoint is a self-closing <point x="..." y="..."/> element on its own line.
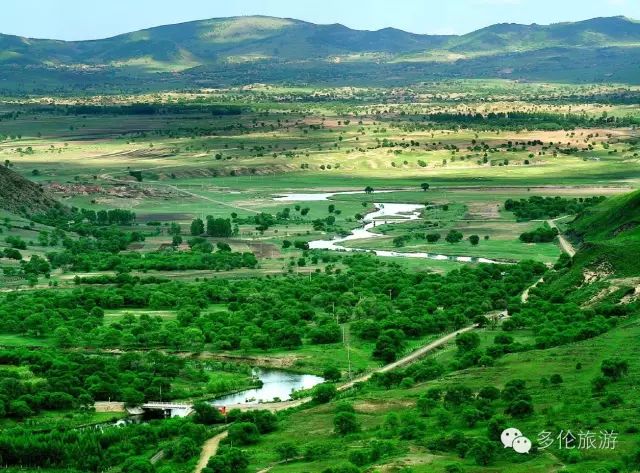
<point x="609" y="236"/>
<point x="238" y="50"/>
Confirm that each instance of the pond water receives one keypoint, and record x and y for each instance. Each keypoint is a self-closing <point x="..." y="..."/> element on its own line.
<point x="386" y="213"/>
<point x="276" y="384"/>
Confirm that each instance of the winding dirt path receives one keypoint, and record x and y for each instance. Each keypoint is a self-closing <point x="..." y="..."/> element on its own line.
<point x="566" y="246"/>
<point x="209" y="449"/>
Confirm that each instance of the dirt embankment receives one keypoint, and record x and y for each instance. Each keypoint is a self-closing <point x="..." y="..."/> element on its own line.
<point x="23" y="197"/>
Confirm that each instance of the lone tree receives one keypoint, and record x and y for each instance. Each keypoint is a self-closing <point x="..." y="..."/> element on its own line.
<point x="454" y="236"/>
<point x="368" y="190"/>
<point x="287" y="451"/>
<point x="425" y="186"/>
<point x="345" y="423"/>
<point x="474" y="239"/>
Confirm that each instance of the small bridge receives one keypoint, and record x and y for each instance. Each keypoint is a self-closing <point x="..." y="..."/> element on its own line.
<point x="168" y="409"/>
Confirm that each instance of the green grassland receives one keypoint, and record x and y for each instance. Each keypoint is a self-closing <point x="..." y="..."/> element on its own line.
<point x="187" y="161"/>
<point x="568" y="406"/>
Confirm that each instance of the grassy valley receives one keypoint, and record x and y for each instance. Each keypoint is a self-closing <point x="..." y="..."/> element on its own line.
<point x="373" y="252"/>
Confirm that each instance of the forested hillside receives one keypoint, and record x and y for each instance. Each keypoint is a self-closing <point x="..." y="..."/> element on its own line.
<point x="266" y="49"/>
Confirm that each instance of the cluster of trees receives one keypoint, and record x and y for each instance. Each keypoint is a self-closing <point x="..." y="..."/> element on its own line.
<point x="536" y="207"/>
<point x="544" y="234"/>
<point x="75" y="217"/>
<point x="556" y="320"/>
<point x="167" y="260"/>
<point x="93" y="450"/>
<point x="528" y="120"/>
<point x="453" y="236"/>
<point x="385" y="303"/>
<point x="246" y="429"/>
<point x="142" y="109"/>
<point x="448" y="409"/>
<point x="74" y="380"/>
<point x="215" y="227"/>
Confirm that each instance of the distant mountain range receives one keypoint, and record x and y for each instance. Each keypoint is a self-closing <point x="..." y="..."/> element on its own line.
<point x="256" y="48"/>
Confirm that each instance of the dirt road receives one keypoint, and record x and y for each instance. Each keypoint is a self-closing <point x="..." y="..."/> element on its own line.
<point x="566" y="246"/>
<point x="209" y="449"/>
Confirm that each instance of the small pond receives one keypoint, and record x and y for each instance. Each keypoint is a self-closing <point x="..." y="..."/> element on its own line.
<point x="276" y="384"/>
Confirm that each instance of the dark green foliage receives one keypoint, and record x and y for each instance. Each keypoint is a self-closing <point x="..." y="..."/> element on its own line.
<point x="287" y="451"/>
<point x="536" y="207"/>
<point x="345" y="423"/>
<point x="16" y="242"/>
<point x="288" y="307"/>
<point x="389" y="345"/>
<point x="243" y="433"/>
<point x="482" y="451"/>
<point x="91" y="450"/>
<point x="614" y="369"/>
<point x="467" y="341"/>
<point x="264" y="420"/>
<point x="540" y="235"/>
<point x="331" y="373"/>
<point x="219" y="227"/>
<point x="74" y="380"/>
<point x="206" y="414"/>
<point x="454" y="236"/>
<point x="228" y="460"/>
<point x="197" y="227"/>
<point x="323" y="393"/>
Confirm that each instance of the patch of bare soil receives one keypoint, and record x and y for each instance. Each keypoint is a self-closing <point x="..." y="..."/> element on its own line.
<point x="371" y="406"/>
<point x="406" y="462"/>
<point x="231" y="169"/>
<point x="482" y="210"/>
<point x="602" y="271"/>
<point x="264" y="250"/>
<point x="601" y="295"/>
<point x="104" y="406"/>
<point x="285" y="361"/>
<point x="119" y="191"/>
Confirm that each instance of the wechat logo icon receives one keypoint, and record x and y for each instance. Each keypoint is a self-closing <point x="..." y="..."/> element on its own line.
<point x="513" y="438"/>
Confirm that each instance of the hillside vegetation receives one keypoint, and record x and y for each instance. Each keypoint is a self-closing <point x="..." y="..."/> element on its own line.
<point x="21" y="196"/>
<point x="610" y="235"/>
<point x="265" y="49"/>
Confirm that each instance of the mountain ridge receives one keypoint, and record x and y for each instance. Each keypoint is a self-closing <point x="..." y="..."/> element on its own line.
<point x="221" y="46"/>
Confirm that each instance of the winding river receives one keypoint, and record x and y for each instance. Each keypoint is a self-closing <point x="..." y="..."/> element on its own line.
<point x="386" y="213"/>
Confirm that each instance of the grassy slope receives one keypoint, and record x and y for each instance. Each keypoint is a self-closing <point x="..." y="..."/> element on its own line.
<point x="566" y="406"/>
<point x="610" y="234"/>
<point x="570" y="405"/>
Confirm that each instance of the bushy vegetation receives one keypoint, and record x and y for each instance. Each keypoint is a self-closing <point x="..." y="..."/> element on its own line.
<point x="540" y="235"/>
<point x="275" y="313"/>
<point x="536" y="207"/>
